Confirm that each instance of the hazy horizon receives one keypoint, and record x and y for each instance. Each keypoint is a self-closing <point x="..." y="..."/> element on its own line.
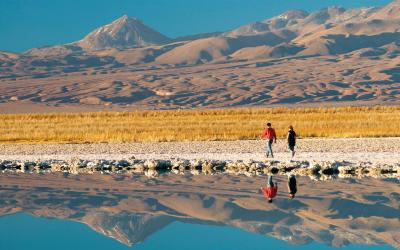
<point x="26" y="24"/>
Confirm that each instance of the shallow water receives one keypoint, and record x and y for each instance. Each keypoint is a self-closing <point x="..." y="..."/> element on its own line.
<point x="63" y="211"/>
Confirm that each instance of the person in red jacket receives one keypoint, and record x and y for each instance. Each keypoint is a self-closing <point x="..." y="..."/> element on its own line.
<point x="271" y="190"/>
<point x="270" y="135"/>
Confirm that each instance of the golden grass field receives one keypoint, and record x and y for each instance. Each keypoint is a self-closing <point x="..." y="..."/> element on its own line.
<point x="185" y="125"/>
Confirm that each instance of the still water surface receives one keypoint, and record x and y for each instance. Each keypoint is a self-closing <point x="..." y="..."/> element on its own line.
<point x="46" y="234"/>
<point x="195" y="212"/>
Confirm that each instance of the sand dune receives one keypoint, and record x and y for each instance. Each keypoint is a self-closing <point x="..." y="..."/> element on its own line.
<point x="352" y="79"/>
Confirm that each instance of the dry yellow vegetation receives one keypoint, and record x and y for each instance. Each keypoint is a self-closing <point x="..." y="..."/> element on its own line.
<point x="183" y="125"/>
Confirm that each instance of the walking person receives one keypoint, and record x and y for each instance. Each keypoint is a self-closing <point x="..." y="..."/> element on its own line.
<point x="292" y="186"/>
<point x="270" y="135"/>
<point x="271" y="190"/>
<point x="291" y="139"/>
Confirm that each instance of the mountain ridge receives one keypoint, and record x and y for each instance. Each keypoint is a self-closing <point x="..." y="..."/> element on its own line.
<point x="130" y="32"/>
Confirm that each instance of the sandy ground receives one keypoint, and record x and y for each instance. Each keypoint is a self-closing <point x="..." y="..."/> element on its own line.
<point x="382" y="150"/>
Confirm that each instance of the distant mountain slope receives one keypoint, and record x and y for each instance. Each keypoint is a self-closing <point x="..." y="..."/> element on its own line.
<point x="197" y="36"/>
<point x="7" y="61"/>
<point x="4" y="55"/>
<point x="303" y="22"/>
<point x="209" y="49"/>
<point x="390" y="11"/>
<point x="125" y="32"/>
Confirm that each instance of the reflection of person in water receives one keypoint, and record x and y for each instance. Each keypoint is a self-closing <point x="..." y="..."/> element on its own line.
<point x="271" y="190"/>
<point x="292" y="186"/>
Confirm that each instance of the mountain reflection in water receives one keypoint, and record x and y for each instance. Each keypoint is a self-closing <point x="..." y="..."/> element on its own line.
<point x="130" y="208"/>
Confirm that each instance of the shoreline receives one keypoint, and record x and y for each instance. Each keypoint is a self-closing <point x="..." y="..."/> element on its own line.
<point x="318" y="170"/>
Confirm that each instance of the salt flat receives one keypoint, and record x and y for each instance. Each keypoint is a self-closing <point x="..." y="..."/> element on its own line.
<point x="375" y="150"/>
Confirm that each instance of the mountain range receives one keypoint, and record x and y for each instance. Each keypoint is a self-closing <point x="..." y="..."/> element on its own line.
<point x="330" y="57"/>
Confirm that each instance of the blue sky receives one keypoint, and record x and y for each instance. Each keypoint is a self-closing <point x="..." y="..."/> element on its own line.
<point x="25" y="24"/>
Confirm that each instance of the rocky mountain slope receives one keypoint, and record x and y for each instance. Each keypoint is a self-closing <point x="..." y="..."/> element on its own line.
<point x="333" y="56"/>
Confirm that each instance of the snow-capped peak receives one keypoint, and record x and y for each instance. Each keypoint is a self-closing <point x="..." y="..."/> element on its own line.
<point x="124" y="32"/>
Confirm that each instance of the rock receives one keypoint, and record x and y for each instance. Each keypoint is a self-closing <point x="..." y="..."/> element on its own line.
<point x="43" y="165"/>
<point x="115" y="168"/>
<point x="151" y="173"/>
<point x="123" y="163"/>
<point x="180" y="164"/>
<point x="158" y="164"/>
<point x="56" y="167"/>
<point x="314" y="167"/>
<point x="151" y="164"/>
<point x="218" y="165"/>
<point x="196" y="164"/>
<point x="92" y="165"/>
<point x="316" y="170"/>
<point x="346" y="169"/>
<point x="164" y="165"/>
<point x="139" y="167"/>
<point x="29" y="165"/>
<point x="207" y="167"/>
